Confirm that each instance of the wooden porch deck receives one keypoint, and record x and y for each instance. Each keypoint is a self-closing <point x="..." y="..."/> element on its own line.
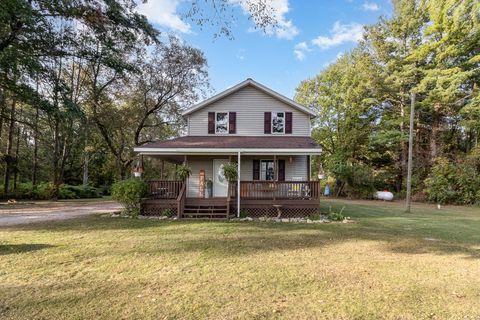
<point x="257" y="198"/>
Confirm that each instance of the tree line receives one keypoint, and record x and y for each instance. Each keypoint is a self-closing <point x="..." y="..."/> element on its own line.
<point x="363" y="102"/>
<point x="83" y="82"/>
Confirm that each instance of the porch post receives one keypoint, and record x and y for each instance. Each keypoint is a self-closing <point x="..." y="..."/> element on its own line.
<point x="238" y="185"/>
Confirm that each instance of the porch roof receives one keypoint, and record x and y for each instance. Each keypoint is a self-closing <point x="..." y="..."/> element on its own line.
<point x="232" y="145"/>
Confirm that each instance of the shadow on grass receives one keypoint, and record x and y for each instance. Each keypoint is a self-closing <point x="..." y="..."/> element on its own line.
<point x="22" y="248"/>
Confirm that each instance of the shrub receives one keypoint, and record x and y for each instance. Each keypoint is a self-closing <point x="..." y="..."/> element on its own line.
<point x="230" y="171"/>
<point x="243" y="213"/>
<point x="336" y="216"/>
<point x="315" y="216"/>
<point x="453" y="183"/>
<point x="64" y="192"/>
<point x="168" y="212"/>
<point x="44" y="191"/>
<point x="130" y="193"/>
<point x="80" y="192"/>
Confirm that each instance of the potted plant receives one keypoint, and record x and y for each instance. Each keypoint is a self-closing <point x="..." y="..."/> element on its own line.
<point x="183" y="172"/>
<point x="208" y="188"/>
<point x="230" y="171"/>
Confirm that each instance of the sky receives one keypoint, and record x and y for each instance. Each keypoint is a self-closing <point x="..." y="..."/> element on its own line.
<point x="310" y="35"/>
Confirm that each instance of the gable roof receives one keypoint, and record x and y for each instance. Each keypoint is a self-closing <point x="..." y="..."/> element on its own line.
<point x="243" y="84"/>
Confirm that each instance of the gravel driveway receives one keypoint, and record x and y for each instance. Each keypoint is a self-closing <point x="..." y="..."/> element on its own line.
<point x="31" y="213"/>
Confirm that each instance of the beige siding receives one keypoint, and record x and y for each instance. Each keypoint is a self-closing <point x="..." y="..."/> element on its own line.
<point x="250" y="104"/>
<point x="297" y="168"/>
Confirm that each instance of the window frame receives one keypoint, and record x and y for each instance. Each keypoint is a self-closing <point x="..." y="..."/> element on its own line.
<point x="228" y="122"/>
<point x="271" y="122"/>
<point x="275" y="168"/>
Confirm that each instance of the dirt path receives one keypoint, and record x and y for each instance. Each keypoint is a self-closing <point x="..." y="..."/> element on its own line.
<point x="31" y="213"/>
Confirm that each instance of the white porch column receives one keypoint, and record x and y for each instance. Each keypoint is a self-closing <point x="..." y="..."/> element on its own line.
<point x="238" y="185"/>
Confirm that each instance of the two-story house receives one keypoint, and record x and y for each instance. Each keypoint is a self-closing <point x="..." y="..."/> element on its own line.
<point x="264" y="133"/>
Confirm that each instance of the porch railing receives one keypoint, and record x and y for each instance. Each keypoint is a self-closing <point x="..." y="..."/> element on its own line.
<point x="158" y="189"/>
<point x="276" y="190"/>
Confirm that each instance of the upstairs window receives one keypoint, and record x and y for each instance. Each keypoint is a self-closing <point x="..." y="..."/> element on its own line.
<point x="221" y="122"/>
<point x="278" y="122"/>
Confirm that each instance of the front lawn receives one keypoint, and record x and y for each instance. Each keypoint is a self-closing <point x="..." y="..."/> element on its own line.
<point x="386" y="265"/>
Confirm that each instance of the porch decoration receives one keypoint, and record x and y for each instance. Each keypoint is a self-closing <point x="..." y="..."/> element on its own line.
<point x="183" y="172"/>
<point x="201" y="184"/>
<point x="230" y="171"/>
<point x="208" y="188"/>
<point x="139" y="169"/>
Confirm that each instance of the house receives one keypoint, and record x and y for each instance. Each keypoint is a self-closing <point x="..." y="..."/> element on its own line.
<point x="264" y="133"/>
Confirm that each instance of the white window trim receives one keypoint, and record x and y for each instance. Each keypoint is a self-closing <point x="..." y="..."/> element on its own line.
<point x="228" y="122"/>
<point x="271" y="122"/>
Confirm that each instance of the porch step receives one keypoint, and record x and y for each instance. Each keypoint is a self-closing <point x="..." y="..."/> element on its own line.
<point x="203" y="211"/>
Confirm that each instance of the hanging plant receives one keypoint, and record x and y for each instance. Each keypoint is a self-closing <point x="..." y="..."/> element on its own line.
<point x="183" y="172"/>
<point x="230" y="171"/>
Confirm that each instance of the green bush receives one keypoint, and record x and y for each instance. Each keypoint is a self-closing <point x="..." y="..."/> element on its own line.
<point x="453" y="183"/>
<point x="354" y="181"/>
<point x="44" y="191"/>
<point x="168" y="212"/>
<point x="130" y="193"/>
<point x="79" y="192"/>
<point x="336" y="216"/>
<point x="315" y="216"/>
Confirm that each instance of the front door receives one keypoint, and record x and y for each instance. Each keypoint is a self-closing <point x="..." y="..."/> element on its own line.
<point x="220" y="184"/>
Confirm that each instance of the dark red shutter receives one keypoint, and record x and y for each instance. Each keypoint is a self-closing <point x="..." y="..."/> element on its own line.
<point x="256" y="169"/>
<point x="288" y="122"/>
<point x="232" y="122"/>
<point x="267" y="123"/>
<point x="308" y="168"/>
<point x="211" y="122"/>
<point x="281" y="170"/>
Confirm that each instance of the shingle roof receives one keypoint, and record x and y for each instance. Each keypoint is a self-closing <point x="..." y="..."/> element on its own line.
<point x="243" y="142"/>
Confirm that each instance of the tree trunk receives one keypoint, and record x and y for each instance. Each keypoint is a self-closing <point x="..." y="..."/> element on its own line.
<point x="15" y="167"/>
<point x="35" y="149"/>
<point x="435" y="132"/>
<point x="8" y="151"/>
<point x="86" y="159"/>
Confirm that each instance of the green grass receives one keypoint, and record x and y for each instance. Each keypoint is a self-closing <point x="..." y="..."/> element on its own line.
<point x="386" y="265"/>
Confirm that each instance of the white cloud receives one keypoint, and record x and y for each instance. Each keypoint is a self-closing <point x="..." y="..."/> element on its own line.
<point x="284" y="29"/>
<point x="340" y="34"/>
<point x="163" y="12"/>
<point x="300" y="50"/>
<point x="370" y="6"/>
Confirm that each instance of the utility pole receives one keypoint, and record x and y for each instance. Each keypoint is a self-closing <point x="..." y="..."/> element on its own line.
<point x="410" y="151"/>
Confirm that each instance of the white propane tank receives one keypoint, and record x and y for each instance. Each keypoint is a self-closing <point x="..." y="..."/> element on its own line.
<point x="384" y="195"/>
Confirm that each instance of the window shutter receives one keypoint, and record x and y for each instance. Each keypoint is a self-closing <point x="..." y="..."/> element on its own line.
<point x="288" y="122"/>
<point x="232" y="122"/>
<point x="211" y="123"/>
<point x="281" y="170"/>
<point x="256" y="169"/>
<point x="267" y="123"/>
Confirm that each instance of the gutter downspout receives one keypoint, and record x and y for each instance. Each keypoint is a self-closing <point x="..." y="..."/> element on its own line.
<point x="238" y="185"/>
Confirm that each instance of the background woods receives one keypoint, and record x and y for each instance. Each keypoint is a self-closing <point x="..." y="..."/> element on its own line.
<point x="363" y="99"/>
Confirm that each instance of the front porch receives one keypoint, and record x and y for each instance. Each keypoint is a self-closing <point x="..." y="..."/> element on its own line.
<point x="274" y="177"/>
<point x="257" y="198"/>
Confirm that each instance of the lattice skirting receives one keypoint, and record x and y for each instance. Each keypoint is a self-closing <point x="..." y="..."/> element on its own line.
<point x="156" y="208"/>
<point x="256" y="211"/>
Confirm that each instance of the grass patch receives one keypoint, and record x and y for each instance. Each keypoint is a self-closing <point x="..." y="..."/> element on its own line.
<point x="386" y="265"/>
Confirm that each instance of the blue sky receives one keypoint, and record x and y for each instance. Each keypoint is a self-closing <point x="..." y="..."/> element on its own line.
<point x="311" y="34"/>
